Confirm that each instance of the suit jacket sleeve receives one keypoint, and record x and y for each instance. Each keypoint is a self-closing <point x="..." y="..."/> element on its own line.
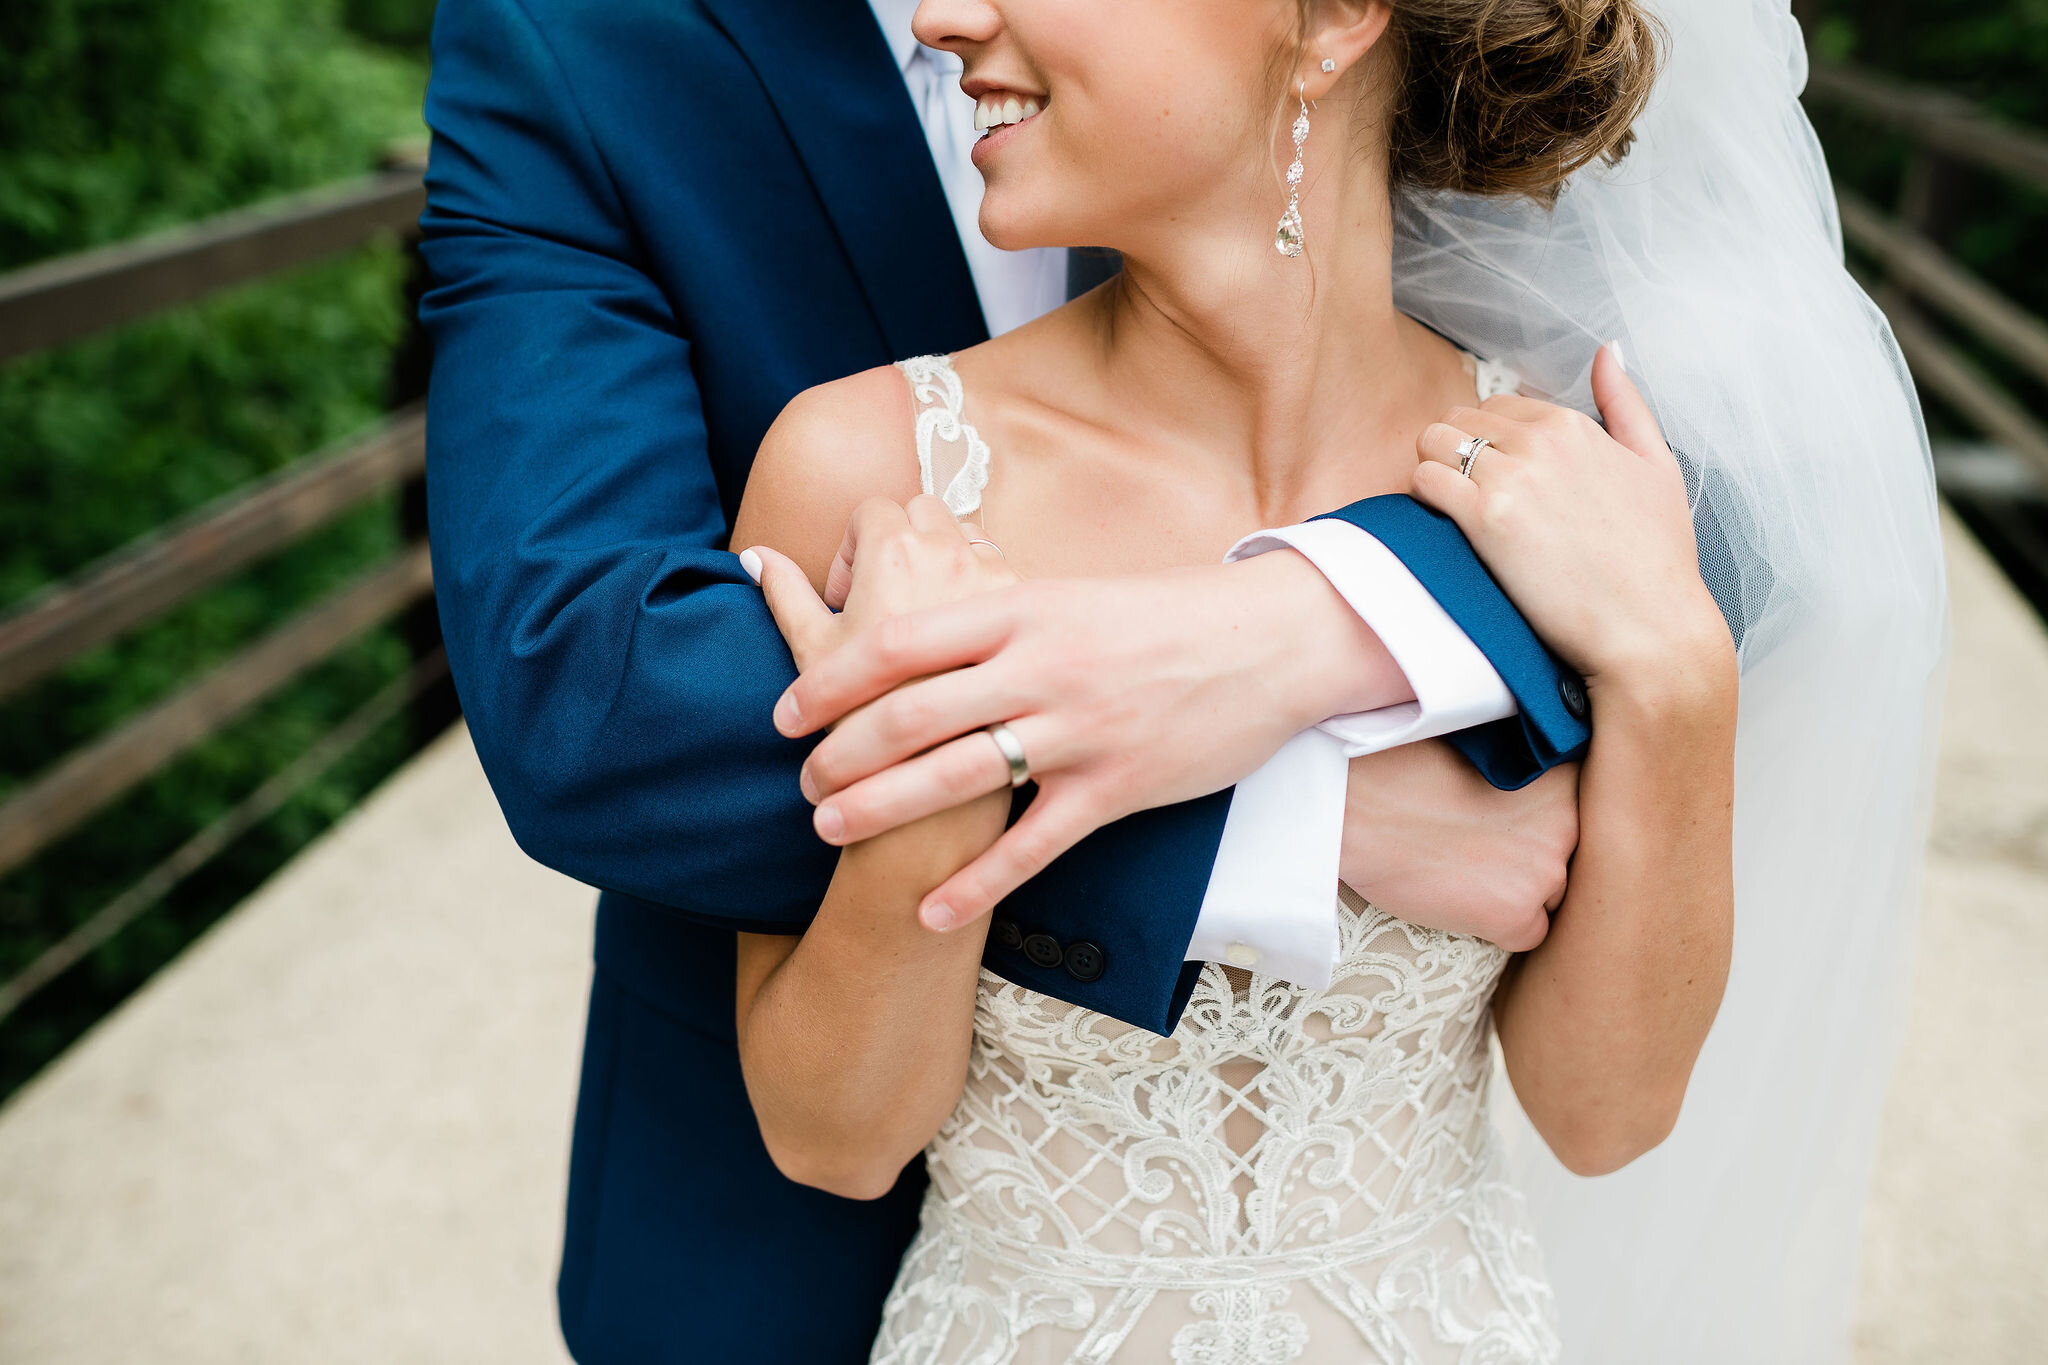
<point x="616" y="666"/>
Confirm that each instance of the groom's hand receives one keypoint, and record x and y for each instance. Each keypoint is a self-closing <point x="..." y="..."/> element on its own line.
<point x="1125" y="693"/>
<point x="914" y="556"/>
<point x="1430" y="841"/>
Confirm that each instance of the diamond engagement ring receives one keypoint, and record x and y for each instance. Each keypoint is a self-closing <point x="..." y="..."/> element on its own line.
<point x="1013" y="753"/>
<point x="1468" y="453"/>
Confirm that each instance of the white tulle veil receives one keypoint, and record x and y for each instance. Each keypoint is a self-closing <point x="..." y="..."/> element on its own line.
<point x="1714" y="254"/>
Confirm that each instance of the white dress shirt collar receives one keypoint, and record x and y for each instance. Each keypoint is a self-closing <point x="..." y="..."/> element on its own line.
<point x="894" y="16"/>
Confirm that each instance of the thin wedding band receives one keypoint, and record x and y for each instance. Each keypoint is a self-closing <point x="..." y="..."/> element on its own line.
<point x="1468" y="453"/>
<point x="991" y="544"/>
<point x="1013" y="753"/>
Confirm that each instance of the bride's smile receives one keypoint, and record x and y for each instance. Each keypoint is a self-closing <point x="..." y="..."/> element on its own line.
<point x="996" y="106"/>
<point x="999" y="113"/>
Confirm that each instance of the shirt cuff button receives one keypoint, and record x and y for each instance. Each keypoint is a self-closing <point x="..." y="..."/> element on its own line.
<point x="1241" y="955"/>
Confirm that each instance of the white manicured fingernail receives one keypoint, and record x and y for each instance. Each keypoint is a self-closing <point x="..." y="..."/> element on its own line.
<point x="751" y="562"/>
<point x="1620" y="358"/>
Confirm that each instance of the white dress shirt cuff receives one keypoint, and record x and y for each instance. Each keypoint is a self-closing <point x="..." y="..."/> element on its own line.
<point x="1455" y="687"/>
<point x="1271" y="905"/>
<point x="1272" y="899"/>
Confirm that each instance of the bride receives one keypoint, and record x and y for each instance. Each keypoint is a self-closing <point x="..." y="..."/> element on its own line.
<point x="1301" y="1174"/>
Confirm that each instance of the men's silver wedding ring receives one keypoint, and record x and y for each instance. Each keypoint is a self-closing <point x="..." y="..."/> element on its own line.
<point x="991" y="544"/>
<point x="1013" y="753"/>
<point x="1468" y="453"/>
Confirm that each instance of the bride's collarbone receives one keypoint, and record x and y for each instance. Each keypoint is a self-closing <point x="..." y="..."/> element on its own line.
<point x="1074" y="510"/>
<point x="1075" y="492"/>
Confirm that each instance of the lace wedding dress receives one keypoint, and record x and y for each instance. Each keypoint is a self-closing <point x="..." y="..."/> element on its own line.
<point x="1294" y="1175"/>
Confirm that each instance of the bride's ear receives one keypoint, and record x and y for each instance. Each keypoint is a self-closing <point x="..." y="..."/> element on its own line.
<point x="1340" y="35"/>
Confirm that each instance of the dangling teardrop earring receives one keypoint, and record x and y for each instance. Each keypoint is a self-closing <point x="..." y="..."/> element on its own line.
<point x="1287" y="237"/>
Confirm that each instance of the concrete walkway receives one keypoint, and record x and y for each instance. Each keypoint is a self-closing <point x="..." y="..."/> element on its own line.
<point x="1955" y="1263"/>
<point x="335" y="1129"/>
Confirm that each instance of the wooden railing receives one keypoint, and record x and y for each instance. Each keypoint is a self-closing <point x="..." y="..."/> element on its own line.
<point x="59" y="301"/>
<point x="1916" y="276"/>
<point x="75" y="296"/>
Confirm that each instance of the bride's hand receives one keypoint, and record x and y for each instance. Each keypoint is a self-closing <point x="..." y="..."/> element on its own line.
<point x="1589" y="530"/>
<point x="893" y="561"/>
<point x="911" y="556"/>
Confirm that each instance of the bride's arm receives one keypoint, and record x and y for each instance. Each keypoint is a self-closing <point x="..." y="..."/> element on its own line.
<point x="1591" y="534"/>
<point x="853" y="1038"/>
<point x="1601" y="1024"/>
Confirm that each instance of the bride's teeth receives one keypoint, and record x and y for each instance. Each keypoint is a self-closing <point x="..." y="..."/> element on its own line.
<point x="995" y="111"/>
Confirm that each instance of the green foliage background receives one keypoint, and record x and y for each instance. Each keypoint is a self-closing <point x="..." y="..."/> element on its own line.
<point x="119" y="117"/>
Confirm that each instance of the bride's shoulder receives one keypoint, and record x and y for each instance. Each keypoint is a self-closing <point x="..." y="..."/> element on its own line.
<point x="832" y="448"/>
<point x="865" y="416"/>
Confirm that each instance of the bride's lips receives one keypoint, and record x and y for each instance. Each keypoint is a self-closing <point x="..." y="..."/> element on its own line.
<point x="999" y="112"/>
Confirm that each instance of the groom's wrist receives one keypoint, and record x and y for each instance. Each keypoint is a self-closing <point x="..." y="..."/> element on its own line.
<point x="1326" y="659"/>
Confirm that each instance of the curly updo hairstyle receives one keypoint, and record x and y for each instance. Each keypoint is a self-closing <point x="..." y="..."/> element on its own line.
<point x="1513" y="96"/>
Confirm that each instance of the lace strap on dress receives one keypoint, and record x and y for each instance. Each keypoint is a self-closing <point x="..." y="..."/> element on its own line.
<point x="952" y="459"/>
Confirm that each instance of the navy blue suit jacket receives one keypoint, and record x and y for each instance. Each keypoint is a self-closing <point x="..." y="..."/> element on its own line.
<point x="651" y="223"/>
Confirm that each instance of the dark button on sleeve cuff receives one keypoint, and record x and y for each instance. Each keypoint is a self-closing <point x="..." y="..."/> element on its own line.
<point x="1007" y="934"/>
<point x="1043" y="950"/>
<point x="1085" y="961"/>
<point x="1572" y="692"/>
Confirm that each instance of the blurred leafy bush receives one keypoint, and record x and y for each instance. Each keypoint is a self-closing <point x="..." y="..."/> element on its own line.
<point x="117" y="118"/>
<point x="1994" y="52"/>
<point x="401" y="24"/>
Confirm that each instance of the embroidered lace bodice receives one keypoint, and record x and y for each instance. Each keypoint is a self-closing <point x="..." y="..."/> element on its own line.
<point x="1295" y="1175"/>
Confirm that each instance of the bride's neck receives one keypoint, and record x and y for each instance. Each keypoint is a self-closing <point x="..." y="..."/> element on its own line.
<point x="1222" y="344"/>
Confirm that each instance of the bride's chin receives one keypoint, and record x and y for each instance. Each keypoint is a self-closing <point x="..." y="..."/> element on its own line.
<point x="1010" y="232"/>
<point x="1015" y="220"/>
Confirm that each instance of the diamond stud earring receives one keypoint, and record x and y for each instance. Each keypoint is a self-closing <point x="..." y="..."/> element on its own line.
<point x="1287" y="237"/>
<point x="1329" y="65"/>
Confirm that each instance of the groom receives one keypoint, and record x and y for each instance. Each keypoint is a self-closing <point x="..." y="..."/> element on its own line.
<point x="650" y="224"/>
